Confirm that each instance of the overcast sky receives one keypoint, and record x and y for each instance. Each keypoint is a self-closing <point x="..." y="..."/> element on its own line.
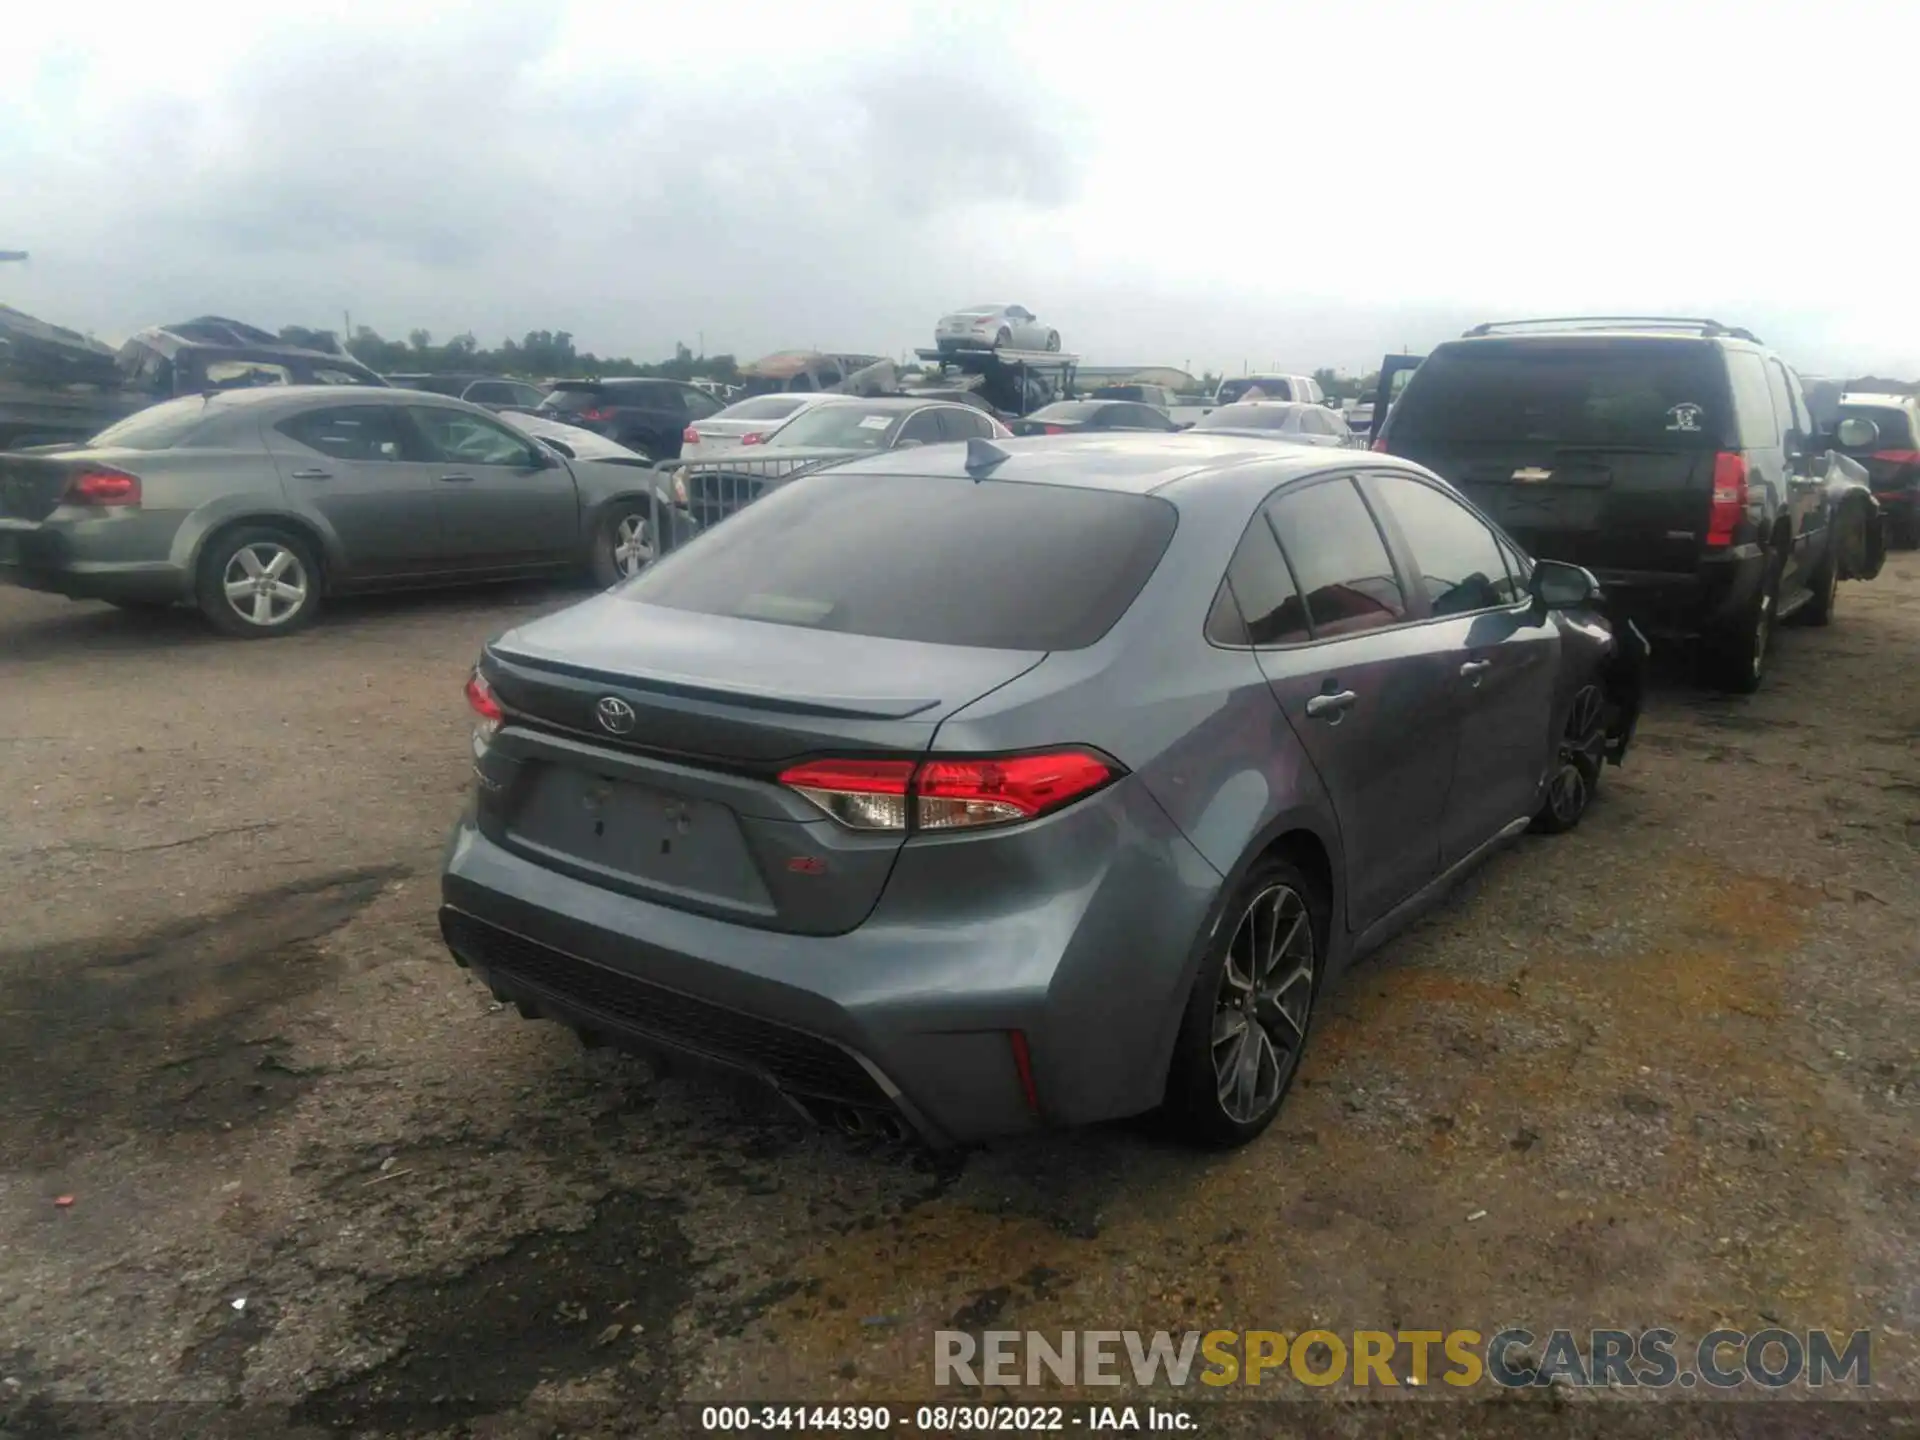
<point x="1251" y="184"/>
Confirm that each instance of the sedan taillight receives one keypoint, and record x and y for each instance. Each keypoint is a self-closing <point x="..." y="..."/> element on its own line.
<point x="962" y="793"/>
<point x="102" y="485"/>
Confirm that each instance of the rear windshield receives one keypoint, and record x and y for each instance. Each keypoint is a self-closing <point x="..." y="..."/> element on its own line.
<point x="1658" y="394"/>
<point x="841" y="427"/>
<point x="825" y="552"/>
<point x="159" y="427"/>
<point x="1896" y="431"/>
<point x="1272" y="389"/>
<point x="767" y="407"/>
<point x="1249" y="417"/>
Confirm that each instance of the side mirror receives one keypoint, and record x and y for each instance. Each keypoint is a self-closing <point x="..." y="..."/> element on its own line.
<point x="1556" y="585"/>
<point x="1856" y="433"/>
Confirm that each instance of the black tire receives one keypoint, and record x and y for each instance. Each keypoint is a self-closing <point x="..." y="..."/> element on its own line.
<point x="1826" y="588"/>
<point x="1003" y="339"/>
<point x="223" y="569"/>
<point x="1578" y="764"/>
<point x="1280" y="1016"/>
<point x="615" y="556"/>
<point x="1736" y="660"/>
<point x="1053" y="340"/>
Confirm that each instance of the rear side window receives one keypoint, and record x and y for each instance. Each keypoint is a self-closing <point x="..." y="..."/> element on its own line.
<point x="353" y="432"/>
<point x="1896" y="428"/>
<point x="1339" y="559"/>
<point x="1760" y="428"/>
<point x="825" y="553"/>
<point x="240" y="374"/>
<point x="1658" y="394"/>
<point x="1263" y="605"/>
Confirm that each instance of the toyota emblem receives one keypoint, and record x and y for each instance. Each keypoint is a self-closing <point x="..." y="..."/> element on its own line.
<point x="615" y="715"/>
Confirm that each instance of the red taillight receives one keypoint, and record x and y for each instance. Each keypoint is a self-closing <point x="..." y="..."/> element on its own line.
<point x="756" y="438"/>
<point x="1379" y="444"/>
<point x="689" y="436"/>
<point x="480" y="697"/>
<point x="596" y="413"/>
<point x="98" y="485"/>
<point x="955" y="794"/>
<point x="1729" y="497"/>
<point x="1898" y="457"/>
<point x="1053" y="429"/>
<point x="860" y="794"/>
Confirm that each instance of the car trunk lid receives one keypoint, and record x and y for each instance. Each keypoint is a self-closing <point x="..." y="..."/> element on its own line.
<point x="31" y="486"/>
<point x="1608" y="508"/>
<point x="635" y="756"/>
<point x="1597" y="450"/>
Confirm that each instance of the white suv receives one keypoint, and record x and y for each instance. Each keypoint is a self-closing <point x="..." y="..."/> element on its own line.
<point x="1302" y="388"/>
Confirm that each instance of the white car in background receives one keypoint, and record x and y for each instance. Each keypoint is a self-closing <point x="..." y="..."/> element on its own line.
<point x="993" y="327"/>
<point x="1300" y="389"/>
<point x="746" y="422"/>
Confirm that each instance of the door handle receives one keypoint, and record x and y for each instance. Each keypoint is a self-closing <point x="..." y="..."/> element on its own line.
<point x="456" y="479"/>
<point x="1331" y="707"/>
<point x="313" y="474"/>
<point x="1474" y="669"/>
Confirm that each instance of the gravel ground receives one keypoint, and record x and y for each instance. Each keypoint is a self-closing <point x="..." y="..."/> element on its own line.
<point x="1671" y="1057"/>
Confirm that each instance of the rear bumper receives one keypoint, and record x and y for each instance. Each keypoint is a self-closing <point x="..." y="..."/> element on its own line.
<point x="909" y="1015"/>
<point x="1685" y="606"/>
<point x="91" y="559"/>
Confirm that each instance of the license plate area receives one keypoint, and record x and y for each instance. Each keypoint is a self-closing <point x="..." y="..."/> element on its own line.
<point x="683" y="846"/>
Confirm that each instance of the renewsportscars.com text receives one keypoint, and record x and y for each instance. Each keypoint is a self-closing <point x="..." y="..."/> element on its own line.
<point x="1657" y="1359"/>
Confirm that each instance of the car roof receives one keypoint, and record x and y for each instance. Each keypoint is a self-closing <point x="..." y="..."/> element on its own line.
<point x="1129" y="463"/>
<point x="292" y="397"/>
<point x="1867" y="397"/>
<point x="890" y="402"/>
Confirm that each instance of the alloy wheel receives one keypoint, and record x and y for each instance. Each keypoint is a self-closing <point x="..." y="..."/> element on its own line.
<point x="265" y="583"/>
<point x="1582" y="753"/>
<point x="1265" y="998"/>
<point x="633" y="547"/>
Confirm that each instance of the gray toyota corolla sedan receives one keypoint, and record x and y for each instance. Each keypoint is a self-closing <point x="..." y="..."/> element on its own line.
<point x="970" y="789"/>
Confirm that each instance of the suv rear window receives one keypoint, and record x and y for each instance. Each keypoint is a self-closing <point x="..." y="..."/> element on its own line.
<point x="571" y="399"/>
<point x="1655" y="393"/>
<point x="825" y="553"/>
<point x="1896" y="430"/>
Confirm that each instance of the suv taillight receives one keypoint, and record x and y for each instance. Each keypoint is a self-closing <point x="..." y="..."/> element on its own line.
<point x="1379" y="444"/>
<point x="1729" y="497"/>
<point x="595" y="413"/>
<point x="1898" y="457"/>
<point x="963" y="793"/>
<point x="102" y="485"/>
<point x="689" y="436"/>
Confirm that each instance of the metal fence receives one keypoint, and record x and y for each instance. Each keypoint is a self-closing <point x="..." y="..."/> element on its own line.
<point x="711" y="490"/>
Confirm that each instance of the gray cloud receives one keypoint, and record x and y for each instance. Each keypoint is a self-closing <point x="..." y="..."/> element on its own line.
<point x="436" y="179"/>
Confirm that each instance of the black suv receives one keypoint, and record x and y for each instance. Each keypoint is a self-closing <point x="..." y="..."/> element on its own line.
<point x="1673" y="458"/>
<point x="648" y="416"/>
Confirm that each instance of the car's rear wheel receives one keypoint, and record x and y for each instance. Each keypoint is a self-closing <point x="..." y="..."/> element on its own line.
<point x="1003" y="339"/>
<point x="1736" y="660"/>
<point x="626" y="545"/>
<point x="1247" y="1019"/>
<point x="257" y="581"/>
<point x="1577" y="765"/>
<point x="1053" y="340"/>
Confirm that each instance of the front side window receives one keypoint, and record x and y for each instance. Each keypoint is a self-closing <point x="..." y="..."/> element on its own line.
<point x="458" y="438"/>
<point x="240" y="374"/>
<point x="1338" y="558"/>
<point x="1460" y="563"/>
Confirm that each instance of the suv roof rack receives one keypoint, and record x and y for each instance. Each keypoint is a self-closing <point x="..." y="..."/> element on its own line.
<point x="1710" y="329"/>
